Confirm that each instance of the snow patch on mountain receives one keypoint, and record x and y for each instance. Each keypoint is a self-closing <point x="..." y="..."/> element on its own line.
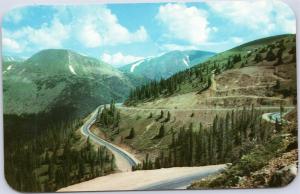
<point x="70" y="66"/>
<point x="72" y="70"/>
<point x="135" y="65"/>
<point x="9" y="68"/>
<point x="10" y="58"/>
<point x="186" y="61"/>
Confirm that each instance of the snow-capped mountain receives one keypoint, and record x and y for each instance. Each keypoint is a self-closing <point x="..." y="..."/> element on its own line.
<point x="166" y="65"/>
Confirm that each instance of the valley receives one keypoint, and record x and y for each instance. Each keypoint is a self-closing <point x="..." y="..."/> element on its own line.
<point x="149" y="96"/>
<point x="199" y="118"/>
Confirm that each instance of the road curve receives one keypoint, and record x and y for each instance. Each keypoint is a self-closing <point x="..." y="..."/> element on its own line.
<point x="204" y="109"/>
<point x="124" y="160"/>
<point x="159" y="179"/>
<point x="273" y="116"/>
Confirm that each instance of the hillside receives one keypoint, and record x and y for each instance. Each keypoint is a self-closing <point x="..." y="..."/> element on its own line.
<point x="258" y="74"/>
<point x="166" y="65"/>
<point x="215" y="108"/>
<point x="273" y="164"/>
<point x="212" y="113"/>
<point x="62" y="80"/>
<point x="55" y="86"/>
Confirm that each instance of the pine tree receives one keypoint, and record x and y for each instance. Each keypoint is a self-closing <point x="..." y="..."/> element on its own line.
<point x="168" y="117"/>
<point x="270" y="55"/>
<point x="118" y="119"/>
<point x="131" y="134"/>
<point x="160" y="116"/>
<point x="46" y="160"/>
<point x="161" y="132"/>
<point x="112" y="163"/>
<point x="81" y="171"/>
<point x="277" y="126"/>
<point x="281" y="113"/>
<point x="279" y="57"/>
<point x="88" y="144"/>
<point x="258" y="58"/>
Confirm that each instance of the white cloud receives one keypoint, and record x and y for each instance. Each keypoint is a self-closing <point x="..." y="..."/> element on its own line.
<point x="47" y="36"/>
<point x="91" y="26"/>
<point x="90" y="37"/>
<point x="119" y="59"/>
<point x="101" y="27"/>
<point x="268" y="15"/>
<point x="237" y="40"/>
<point x="184" y="23"/>
<point x="11" y="45"/>
<point x="172" y="47"/>
<point x="217" y="45"/>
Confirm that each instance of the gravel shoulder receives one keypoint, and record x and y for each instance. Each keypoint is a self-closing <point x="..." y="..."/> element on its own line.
<point x="144" y="179"/>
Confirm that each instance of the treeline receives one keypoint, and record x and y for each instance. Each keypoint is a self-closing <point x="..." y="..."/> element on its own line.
<point x="271" y="55"/>
<point x="53" y="160"/>
<point x="110" y="117"/>
<point x="225" y="141"/>
<point x="199" y="77"/>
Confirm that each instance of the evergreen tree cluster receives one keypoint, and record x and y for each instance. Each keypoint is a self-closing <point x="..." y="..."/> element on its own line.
<point x="131" y="134"/>
<point x="52" y="160"/>
<point x="225" y="141"/>
<point x="198" y="76"/>
<point x="110" y="117"/>
<point x="157" y="88"/>
<point x="236" y="58"/>
<point x="270" y="54"/>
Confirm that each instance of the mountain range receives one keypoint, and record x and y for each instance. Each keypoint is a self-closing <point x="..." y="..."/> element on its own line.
<point x="56" y="80"/>
<point x="166" y="65"/>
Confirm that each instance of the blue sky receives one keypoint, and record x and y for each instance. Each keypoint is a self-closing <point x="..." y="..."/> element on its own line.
<point x="123" y="33"/>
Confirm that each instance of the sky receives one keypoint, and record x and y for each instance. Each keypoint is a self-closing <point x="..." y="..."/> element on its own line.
<point x="123" y="33"/>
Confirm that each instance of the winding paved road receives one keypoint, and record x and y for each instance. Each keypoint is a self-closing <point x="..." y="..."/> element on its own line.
<point x="158" y="179"/>
<point x="273" y="116"/>
<point x="205" y="109"/>
<point x="124" y="160"/>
